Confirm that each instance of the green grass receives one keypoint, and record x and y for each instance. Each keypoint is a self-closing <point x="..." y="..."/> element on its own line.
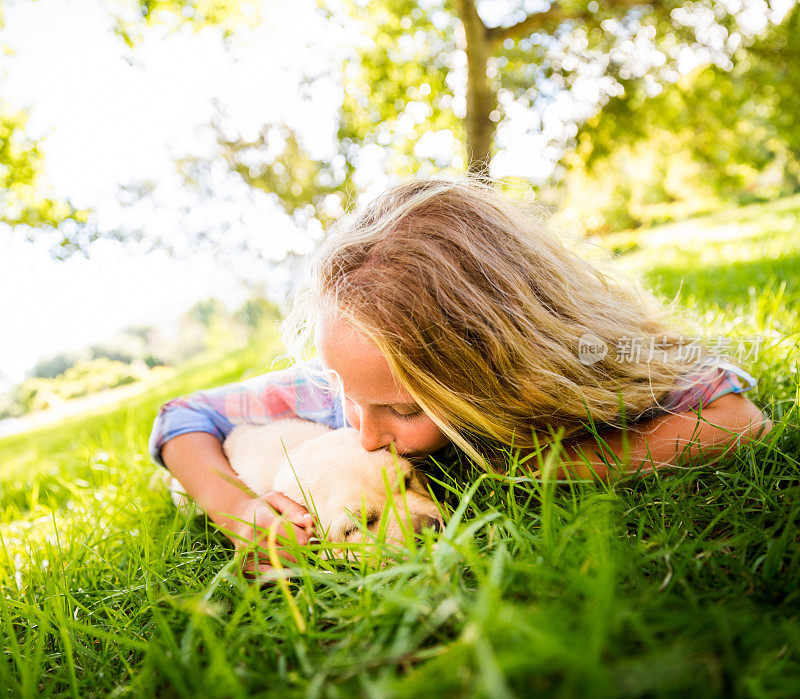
<point x="681" y="584"/>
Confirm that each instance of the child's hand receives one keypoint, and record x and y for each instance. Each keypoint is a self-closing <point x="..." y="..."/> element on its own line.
<point x="254" y="518"/>
<point x="196" y="459"/>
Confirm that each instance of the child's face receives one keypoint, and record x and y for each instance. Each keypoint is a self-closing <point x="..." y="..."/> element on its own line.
<point x="375" y="403"/>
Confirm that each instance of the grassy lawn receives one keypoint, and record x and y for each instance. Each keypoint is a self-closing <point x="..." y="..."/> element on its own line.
<point x="680" y="584"/>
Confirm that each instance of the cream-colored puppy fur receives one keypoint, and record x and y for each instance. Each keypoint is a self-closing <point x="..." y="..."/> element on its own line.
<point x="336" y="474"/>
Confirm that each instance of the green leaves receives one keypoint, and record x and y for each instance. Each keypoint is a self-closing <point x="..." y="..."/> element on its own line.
<point x="735" y="126"/>
<point x="22" y="196"/>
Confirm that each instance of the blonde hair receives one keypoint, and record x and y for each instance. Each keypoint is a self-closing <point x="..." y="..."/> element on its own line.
<point x="480" y="310"/>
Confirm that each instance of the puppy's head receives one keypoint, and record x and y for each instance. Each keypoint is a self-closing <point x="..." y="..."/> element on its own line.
<point x="347" y="484"/>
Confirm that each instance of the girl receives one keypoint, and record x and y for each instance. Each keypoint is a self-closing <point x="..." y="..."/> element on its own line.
<point x="443" y="314"/>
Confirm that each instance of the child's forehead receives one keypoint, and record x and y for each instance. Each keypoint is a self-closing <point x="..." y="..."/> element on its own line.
<point x="364" y="373"/>
<point x="333" y="330"/>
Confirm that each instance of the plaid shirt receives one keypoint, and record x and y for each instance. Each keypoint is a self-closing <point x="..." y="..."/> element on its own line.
<point x="308" y="392"/>
<point x="710" y="380"/>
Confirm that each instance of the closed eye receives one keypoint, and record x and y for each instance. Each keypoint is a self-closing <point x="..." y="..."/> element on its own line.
<point x="415" y="412"/>
<point x="401" y="411"/>
<point x="371" y="521"/>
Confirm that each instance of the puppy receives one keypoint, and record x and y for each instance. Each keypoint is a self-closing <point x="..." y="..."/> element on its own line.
<point x="332" y="474"/>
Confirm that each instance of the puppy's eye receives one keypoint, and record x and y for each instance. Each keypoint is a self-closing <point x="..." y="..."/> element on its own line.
<point x="370" y="521"/>
<point x="407" y="480"/>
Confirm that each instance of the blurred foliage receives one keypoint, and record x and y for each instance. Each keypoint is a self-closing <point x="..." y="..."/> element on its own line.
<point x="206" y="312"/>
<point x="136" y="343"/>
<point x="644" y="184"/>
<point x="81" y="379"/>
<point x="433" y="86"/>
<point x="733" y="134"/>
<point x="257" y="311"/>
<point x="139" y="353"/>
<point x="50" y="367"/>
<point x="427" y="86"/>
<point x="214" y="328"/>
<point x="277" y="163"/>
<point x="135" y="16"/>
<point x="23" y="199"/>
<point x="399" y="86"/>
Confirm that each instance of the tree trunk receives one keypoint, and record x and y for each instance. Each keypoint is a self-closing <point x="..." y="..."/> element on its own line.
<point x="481" y="97"/>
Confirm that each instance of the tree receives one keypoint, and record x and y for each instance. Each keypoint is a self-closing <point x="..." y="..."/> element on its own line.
<point x="134" y="17"/>
<point x="520" y="58"/>
<point x="206" y="312"/>
<point x="735" y="124"/>
<point x="256" y="311"/>
<point x="23" y="200"/>
<point x="433" y="84"/>
<point x="50" y="367"/>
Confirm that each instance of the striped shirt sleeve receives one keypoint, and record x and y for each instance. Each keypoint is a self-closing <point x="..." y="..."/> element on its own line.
<point x="700" y="387"/>
<point x="303" y="390"/>
<point x="709" y="382"/>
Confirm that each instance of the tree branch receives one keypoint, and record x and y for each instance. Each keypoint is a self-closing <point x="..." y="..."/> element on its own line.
<point x="468" y="13"/>
<point x="549" y="19"/>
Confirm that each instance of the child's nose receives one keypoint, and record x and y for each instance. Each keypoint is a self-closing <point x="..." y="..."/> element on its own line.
<point x="374" y="436"/>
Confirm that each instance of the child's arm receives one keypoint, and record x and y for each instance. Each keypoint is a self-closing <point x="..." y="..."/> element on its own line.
<point x="721" y="427"/>
<point x="273" y="396"/>
<point x="196" y="459"/>
<point x="188" y="433"/>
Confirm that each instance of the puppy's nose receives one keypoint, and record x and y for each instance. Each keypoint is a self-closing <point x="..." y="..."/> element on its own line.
<point x="429" y="523"/>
